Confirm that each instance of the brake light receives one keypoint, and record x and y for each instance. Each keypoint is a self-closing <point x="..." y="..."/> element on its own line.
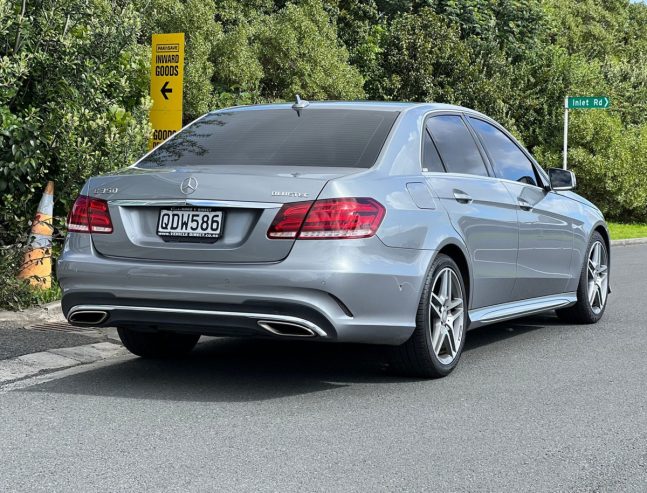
<point x="288" y="221"/>
<point x="89" y="215"/>
<point x="341" y="218"/>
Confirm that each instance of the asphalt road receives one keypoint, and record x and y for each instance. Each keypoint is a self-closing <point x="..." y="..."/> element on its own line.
<point x="533" y="406"/>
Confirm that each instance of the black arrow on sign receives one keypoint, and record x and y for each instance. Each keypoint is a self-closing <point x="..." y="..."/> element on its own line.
<point x="165" y="90"/>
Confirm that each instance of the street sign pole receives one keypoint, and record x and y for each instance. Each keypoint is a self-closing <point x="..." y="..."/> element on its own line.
<point x="565" y="165"/>
<point x="581" y="103"/>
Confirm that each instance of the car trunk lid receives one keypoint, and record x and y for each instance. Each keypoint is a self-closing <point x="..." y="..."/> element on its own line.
<point x="248" y="198"/>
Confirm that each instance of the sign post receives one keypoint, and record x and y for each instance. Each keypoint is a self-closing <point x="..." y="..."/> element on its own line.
<point x="167" y="71"/>
<point x="565" y="164"/>
<point x="581" y="103"/>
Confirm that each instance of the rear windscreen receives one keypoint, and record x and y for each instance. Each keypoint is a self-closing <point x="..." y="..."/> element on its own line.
<point x="326" y="137"/>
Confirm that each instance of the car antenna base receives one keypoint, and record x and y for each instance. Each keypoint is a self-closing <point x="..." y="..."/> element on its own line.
<point x="300" y="104"/>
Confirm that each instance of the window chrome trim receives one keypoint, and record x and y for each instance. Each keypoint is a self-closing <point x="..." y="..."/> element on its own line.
<point x="462" y="115"/>
<point x="507" y="180"/>
<point x="523" y="150"/>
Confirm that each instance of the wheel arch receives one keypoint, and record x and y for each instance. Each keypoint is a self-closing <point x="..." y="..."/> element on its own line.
<point x="604" y="232"/>
<point x="459" y="255"/>
<point x="600" y="228"/>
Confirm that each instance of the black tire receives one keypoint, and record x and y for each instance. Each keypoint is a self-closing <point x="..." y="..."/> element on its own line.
<point x="157" y="344"/>
<point x="416" y="357"/>
<point x="582" y="312"/>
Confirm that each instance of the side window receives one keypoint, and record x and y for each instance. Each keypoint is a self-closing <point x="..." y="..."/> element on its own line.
<point x="508" y="160"/>
<point x="456" y="145"/>
<point x="430" y="157"/>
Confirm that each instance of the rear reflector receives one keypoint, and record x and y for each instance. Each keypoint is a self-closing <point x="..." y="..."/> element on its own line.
<point x="89" y="215"/>
<point x="341" y="218"/>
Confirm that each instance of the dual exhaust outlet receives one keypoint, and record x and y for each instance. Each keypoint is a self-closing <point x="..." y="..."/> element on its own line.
<point x="276" y="327"/>
<point x="289" y="329"/>
<point x="88" y="317"/>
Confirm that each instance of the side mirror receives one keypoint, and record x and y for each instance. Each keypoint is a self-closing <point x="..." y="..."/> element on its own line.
<point x="561" y="179"/>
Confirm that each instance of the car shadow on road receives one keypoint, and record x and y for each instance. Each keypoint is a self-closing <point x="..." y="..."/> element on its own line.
<point x="492" y="334"/>
<point x="244" y="370"/>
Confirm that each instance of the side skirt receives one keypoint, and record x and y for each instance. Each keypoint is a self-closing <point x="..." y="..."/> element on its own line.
<point x="515" y="309"/>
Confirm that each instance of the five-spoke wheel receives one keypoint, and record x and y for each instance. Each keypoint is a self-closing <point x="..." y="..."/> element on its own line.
<point x="434" y="348"/>
<point x="446" y="315"/>
<point x="593" y="288"/>
<point x="436" y="344"/>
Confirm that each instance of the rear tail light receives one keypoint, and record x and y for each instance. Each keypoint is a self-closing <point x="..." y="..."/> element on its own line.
<point x="89" y="215"/>
<point x="328" y="219"/>
<point x="288" y="221"/>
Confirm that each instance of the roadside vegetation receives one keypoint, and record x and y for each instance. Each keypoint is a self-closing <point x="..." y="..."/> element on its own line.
<point x="621" y="231"/>
<point x="74" y="80"/>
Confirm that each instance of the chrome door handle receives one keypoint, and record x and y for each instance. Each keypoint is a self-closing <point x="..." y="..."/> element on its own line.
<point x="525" y="205"/>
<point x="462" y="197"/>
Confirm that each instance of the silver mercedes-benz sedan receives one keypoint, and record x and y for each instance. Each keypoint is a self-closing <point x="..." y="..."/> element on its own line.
<point x="382" y="223"/>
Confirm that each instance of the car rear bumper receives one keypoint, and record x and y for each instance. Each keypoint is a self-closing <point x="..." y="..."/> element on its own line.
<point x="341" y="290"/>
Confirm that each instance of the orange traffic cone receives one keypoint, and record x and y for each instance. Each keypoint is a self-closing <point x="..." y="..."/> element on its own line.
<point x="37" y="266"/>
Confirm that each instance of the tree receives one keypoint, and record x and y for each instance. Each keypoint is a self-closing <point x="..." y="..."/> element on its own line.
<point x="73" y="85"/>
<point x="252" y="51"/>
<point x="196" y="19"/>
<point x="300" y="53"/>
<point x="423" y="58"/>
<point x="610" y="160"/>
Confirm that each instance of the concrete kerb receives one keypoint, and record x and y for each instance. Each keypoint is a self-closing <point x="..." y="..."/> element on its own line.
<point x="50" y="312"/>
<point x="630" y="241"/>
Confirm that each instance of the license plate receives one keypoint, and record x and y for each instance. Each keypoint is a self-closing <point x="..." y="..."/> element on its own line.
<point x="190" y="222"/>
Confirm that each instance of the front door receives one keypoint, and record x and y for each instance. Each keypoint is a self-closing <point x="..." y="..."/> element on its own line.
<point x="545" y="242"/>
<point x="545" y="228"/>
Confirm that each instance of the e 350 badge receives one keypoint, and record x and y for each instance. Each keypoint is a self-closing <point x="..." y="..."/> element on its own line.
<point x="103" y="190"/>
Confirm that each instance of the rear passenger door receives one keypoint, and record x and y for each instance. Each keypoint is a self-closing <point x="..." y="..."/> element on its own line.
<point x="480" y="207"/>
<point x="545" y="222"/>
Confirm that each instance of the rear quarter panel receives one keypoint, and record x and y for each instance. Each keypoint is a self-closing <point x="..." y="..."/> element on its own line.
<point x="405" y="225"/>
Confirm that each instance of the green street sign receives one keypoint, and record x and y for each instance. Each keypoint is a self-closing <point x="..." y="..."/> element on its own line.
<point x="588" y="103"/>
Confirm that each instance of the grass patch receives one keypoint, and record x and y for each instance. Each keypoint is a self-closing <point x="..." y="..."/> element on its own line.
<point x="16" y="294"/>
<point x="626" y="231"/>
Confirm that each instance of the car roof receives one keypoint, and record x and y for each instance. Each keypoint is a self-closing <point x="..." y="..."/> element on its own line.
<point x="366" y="105"/>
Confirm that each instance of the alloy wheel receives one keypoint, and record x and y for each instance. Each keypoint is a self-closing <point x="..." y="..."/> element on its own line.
<point x="598" y="277"/>
<point x="446" y="315"/>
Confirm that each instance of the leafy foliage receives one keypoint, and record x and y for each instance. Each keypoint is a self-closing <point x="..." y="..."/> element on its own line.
<point x="423" y="58"/>
<point x="195" y="18"/>
<point x="300" y="53"/>
<point x="73" y="100"/>
<point x="610" y="161"/>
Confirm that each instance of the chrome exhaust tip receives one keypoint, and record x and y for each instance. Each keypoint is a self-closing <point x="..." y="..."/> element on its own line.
<point x="88" y="317"/>
<point x="286" y="329"/>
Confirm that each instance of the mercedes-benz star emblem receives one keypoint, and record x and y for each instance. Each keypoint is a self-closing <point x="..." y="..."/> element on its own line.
<point x="189" y="185"/>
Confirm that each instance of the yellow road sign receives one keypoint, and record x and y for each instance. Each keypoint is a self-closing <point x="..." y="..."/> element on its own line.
<point x="167" y="71"/>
